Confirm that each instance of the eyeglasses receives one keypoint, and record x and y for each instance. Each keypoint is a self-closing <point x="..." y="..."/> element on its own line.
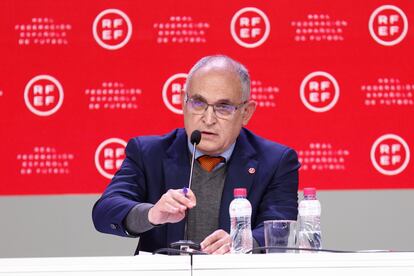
<point x="222" y="110"/>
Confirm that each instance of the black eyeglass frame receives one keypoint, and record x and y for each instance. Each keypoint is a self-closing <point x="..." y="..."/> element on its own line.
<point x="214" y="106"/>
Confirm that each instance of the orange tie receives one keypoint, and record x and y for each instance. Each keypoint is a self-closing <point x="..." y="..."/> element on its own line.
<point x="209" y="162"/>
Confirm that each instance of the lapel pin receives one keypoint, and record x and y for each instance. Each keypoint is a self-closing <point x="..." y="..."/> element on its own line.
<point x="252" y="170"/>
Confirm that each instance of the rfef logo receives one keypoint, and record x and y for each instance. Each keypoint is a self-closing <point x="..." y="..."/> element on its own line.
<point x="43" y="95"/>
<point x="109" y="156"/>
<point x="390" y="154"/>
<point x="172" y="90"/>
<point x="388" y="25"/>
<point x="250" y="27"/>
<point x="319" y="91"/>
<point x="112" y="29"/>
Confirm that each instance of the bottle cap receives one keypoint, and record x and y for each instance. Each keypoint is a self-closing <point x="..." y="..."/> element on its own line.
<point x="240" y="192"/>
<point x="309" y="191"/>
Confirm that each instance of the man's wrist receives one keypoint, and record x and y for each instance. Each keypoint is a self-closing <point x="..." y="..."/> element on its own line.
<point x="151" y="217"/>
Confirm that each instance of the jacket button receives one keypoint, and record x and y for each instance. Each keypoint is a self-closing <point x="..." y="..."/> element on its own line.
<point x="114" y="226"/>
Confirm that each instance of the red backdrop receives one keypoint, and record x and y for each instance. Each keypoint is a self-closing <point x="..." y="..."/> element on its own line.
<point x="333" y="79"/>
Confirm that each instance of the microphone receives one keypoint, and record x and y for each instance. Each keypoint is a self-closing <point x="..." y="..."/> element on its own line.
<point x="194" y="140"/>
<point x="195" y="137"/>
<point x="187" y="246"/>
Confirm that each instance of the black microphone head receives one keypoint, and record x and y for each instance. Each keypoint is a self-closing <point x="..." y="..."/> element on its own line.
<point x="195" y="137"/>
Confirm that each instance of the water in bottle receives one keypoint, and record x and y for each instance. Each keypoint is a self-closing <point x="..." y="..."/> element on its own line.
<point x="240" y="225"/>
<point x="309" y="234"/>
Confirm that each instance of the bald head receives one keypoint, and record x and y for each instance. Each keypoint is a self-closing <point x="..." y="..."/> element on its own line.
<point x="222" y="62"/>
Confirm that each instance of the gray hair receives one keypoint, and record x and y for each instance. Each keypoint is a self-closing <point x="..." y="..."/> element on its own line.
<point x="239" y="68"/>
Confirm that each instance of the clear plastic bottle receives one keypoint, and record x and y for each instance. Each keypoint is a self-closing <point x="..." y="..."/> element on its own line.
<point x="309" y="234"/>
<point x="240" y="222"/>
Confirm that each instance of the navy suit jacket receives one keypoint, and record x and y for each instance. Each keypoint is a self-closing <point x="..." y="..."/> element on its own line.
<point x="154" y="164"/>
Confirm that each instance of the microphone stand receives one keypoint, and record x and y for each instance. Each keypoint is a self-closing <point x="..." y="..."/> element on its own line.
<point x="188" y="245"/>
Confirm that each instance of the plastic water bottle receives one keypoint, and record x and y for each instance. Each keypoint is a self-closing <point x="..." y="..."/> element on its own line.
<point x="240" y="225"/>
<point x="309" y="235"/>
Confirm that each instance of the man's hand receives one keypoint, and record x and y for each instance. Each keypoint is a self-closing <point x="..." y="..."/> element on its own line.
<point x="217" y="243"/>
<point x="171" y="207"/>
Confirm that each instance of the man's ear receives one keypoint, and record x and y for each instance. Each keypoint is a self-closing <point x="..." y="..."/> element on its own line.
<point x="248" y="111"/>
<point x="183" y="94"/>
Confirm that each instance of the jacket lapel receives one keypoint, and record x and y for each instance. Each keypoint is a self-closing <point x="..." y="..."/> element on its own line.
<point x="240" y="174"/>
<point x="176" y="174"/>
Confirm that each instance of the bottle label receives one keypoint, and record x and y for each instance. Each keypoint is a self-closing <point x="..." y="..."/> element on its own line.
<point x="309" y="208"/>
<point x="240" y="212"/>
<point x="240" y="208"/>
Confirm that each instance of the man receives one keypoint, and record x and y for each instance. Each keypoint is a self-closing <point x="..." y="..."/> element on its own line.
<point x="145" y="198"/>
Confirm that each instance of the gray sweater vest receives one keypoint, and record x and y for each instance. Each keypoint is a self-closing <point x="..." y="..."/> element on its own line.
<point x="208" y="188"/>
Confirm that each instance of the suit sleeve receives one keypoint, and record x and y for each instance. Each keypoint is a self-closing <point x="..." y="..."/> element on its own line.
<point x="280" y="199"/>
<point x="126" y="190"/>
